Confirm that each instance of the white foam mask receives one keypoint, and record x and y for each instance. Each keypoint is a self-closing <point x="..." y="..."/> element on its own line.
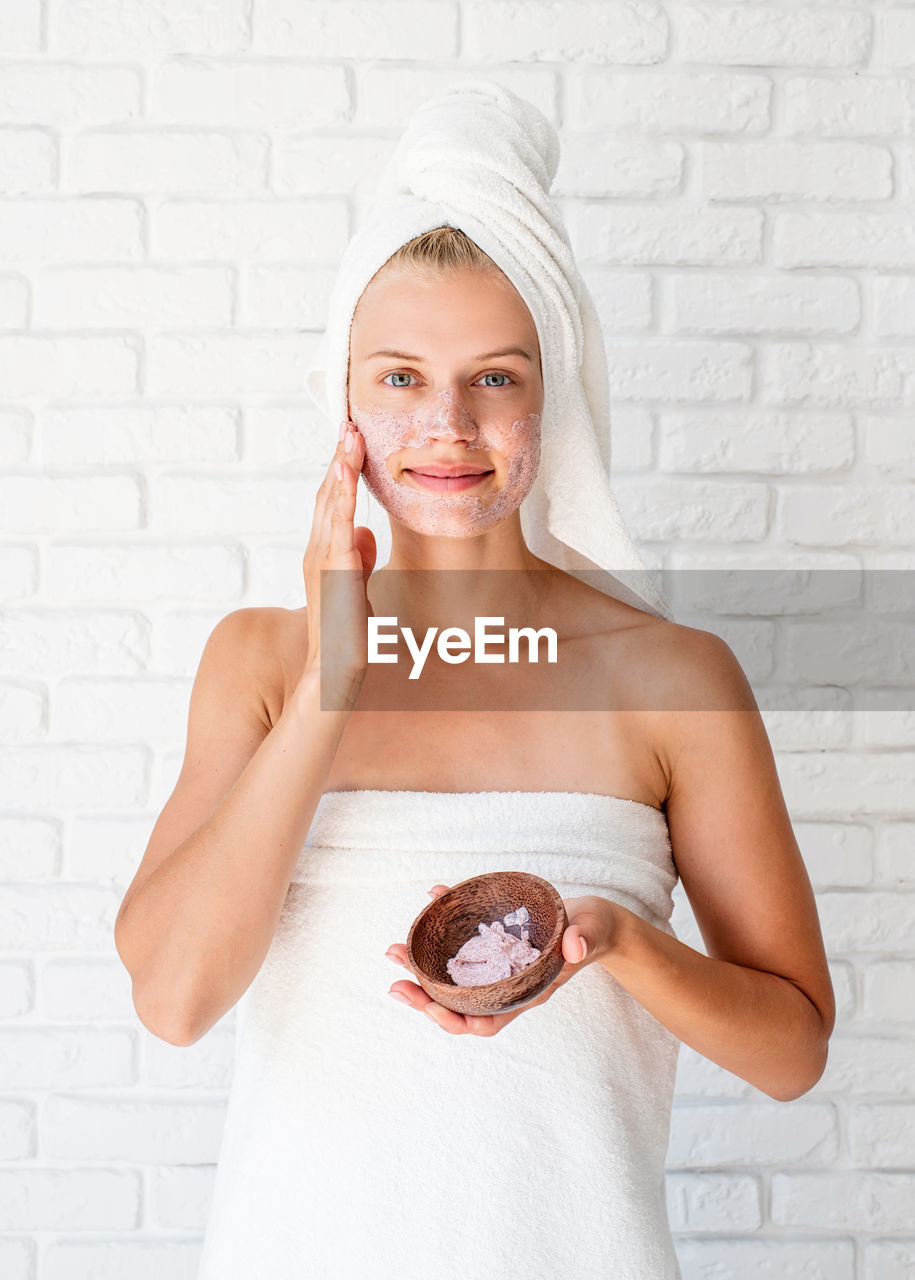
<point x="440" y="422"/>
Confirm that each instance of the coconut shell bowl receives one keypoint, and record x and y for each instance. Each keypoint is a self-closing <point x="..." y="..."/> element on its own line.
<point x="442" y="928"/>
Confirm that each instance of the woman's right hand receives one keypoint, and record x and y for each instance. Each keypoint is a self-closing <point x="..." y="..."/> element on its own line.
<point x="338" y="608"/>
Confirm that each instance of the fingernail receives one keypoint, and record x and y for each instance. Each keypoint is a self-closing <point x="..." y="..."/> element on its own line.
<point x="584" y="948"/>
<point x="348" y="441"/>
<point x="338" y="467"/>
<point x="343" y="426"/>
<point x="431" y="1013"/>
<point x="399" y="995"/>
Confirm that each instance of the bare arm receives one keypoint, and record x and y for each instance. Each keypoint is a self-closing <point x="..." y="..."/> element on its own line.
<point x="199" y="917"/>
<point x="200" y="914"/>
<point x="760" y="1004"/>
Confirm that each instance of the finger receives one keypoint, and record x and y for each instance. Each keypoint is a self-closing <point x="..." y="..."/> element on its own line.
<point x="447" y="1019"/>
<point x="574" y="946"/>
<point x="324" y="496"/>
<point x="342" y="511"/>
<point x="438" y="889"/>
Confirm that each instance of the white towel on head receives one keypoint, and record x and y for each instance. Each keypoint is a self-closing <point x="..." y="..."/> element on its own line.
<point x="481" y="158"/>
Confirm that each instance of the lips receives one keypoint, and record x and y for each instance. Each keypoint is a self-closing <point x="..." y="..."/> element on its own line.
<point x="459" y="469"/>
<point x="451" y="480"/>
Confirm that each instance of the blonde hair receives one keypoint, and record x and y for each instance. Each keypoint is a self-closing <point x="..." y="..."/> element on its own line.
<point x="443" y="249"/>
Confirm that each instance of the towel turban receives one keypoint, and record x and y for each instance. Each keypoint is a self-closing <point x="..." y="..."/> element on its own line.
<point x="481" y="158"/>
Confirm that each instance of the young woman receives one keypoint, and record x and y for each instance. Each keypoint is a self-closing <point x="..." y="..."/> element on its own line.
<point x="322" y="798"/>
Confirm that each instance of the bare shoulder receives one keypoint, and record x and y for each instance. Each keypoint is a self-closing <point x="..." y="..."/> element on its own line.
<point x="280" y="640"/>
<point x="257" y="643"/>
<point x="730" y="827"/>
<point x="687" y="669"/>
<point x="666" y="666"/>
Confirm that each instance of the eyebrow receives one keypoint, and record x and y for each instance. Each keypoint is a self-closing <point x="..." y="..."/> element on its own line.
<point x="489" y="355"/>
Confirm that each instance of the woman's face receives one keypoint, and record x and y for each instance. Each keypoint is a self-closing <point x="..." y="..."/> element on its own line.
<point x="432" y="385"/>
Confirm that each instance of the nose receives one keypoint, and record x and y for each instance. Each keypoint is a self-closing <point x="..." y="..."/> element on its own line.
<point x="447" y="418"/>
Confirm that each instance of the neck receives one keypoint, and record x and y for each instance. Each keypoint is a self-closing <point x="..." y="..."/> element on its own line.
<point x="439" y="582"/>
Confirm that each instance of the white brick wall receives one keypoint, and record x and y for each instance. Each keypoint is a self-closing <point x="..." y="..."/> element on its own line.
<point x="178" y="179"/>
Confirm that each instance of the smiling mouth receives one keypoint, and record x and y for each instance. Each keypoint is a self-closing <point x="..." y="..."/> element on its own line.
<point x="444" y="484"/>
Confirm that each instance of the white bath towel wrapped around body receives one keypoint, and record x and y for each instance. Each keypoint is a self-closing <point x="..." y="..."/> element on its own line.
<point x="362" y="1142"/>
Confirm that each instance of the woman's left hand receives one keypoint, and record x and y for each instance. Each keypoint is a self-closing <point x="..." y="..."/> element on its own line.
<point x="592" y="922"/>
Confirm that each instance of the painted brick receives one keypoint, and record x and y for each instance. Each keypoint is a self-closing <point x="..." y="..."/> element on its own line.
<point x="743" y="1133"/>
<point x="143" y="572"/>
<point x="50" y="1057"/>
<point x="34" y="503"/>
<point x="28" y="161"/>
<point x="812" y="238"/>
<point x="30" y="848"/>
<point x="69" y="1199"/>
<point x="17" y="988"/>
<point x="670" y="101"/>
<point x="20" y="27"/>
<point x="362" y="29"/>
<point x="121" y="1126"/>
<point x="250" y="231"/>
<point x="181" y="1196"/>
<point x="146" y="1258"/>
<point x="268" y="94"/>
<point x="746" y="440"/>
<point x="848" y="106"/>
<point x="103" y="848"/>
<point x="767" y="1259"/>
<point x="133" y="298"/>
<point x="787" y="170"/>
<point x="65" y="366"/>
<point x="126" y="710"/>
<point x="887" y="988"/>
<point x="144" y="28"/>
<point x="873" y="1201"/>
<point x="584" y="31"/>
<point x="23" y="713"/>
<point x="889" y="1259"/>
<point x="15" y="435"/>
<point x="882" y="1135"/>
<point x="273" y="504"/>
<point x="713" y="1202"/>
<point x="137" y="433"/>
<point x="58" y="917"/>
<point x="17" y="1130"/>
<point x="762" y="35"/>
<point x="896" y="855"/>
<point x="894" y="37"/>
<point x="208" y="1064"/>
<point x="836" y="854"/>
<point x="76" y="990"/>
<point x="67" y="94"/>
<point x="162" y="161"/>
<point x="18" y="1259"/>
<point x="867" y="922"/>
<point x="43" y="642"/>
<point x="228" y="364"/>
<point x="53" y="231"/>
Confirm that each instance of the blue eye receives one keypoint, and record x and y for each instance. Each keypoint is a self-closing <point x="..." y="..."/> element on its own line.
<point x="400" y="373"/>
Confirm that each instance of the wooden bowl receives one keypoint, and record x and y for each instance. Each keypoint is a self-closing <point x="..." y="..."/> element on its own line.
<point x="442" y="928"/>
